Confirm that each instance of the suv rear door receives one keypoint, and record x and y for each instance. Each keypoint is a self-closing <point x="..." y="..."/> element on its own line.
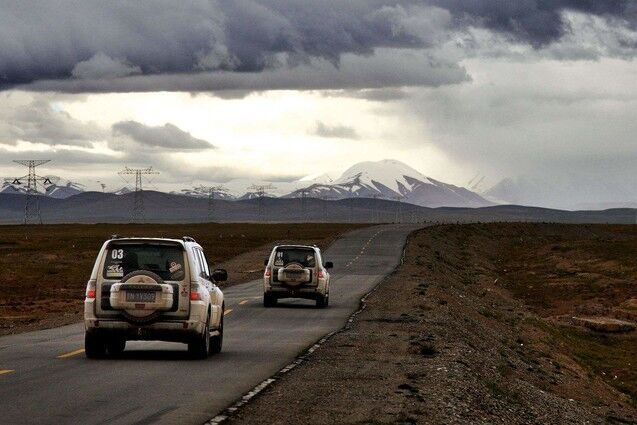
<point x="169" y="261"/>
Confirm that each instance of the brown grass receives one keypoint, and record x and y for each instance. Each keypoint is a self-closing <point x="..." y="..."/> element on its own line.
<point x="572" y="270"/>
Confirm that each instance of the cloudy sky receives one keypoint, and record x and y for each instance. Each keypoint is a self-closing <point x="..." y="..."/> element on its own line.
<point x="540" y="92"/>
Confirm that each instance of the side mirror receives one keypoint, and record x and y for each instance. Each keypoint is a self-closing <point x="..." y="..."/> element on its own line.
<point x="220" y="275"/>
<point x="329" y="265"/>
<point x="266" y="261"/>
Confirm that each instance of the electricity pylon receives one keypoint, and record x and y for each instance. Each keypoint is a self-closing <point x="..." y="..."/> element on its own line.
<point x="325" y="199"/>
<point x="210" y="192"/>
<point x="32" y="202"/>
<point x="399" y="210"/>
<point x="138" y="212"/>
<point x="303" y="192"/>
<point x="261" y="190"/>
<point x="376" y="210"/>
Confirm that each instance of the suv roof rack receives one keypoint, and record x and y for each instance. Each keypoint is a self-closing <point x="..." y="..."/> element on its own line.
<point x="188" y="239"/>
<point x="116" y="236"/>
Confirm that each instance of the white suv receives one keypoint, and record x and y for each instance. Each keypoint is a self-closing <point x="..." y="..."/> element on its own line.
<point x="296" y="271"/>
<point x="153" y="289"/>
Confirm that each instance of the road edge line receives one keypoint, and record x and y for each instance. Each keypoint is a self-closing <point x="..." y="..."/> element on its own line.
<point x="229" y="411"/>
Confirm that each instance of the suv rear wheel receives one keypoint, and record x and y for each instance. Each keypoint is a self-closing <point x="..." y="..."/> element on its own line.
<point x="94" y="346"/>
<point x="269" y="300"/>
<point x="322" y="301"/>
<point x="116" y="346"/>
<point x="199" y="348"/>
<point x="217" y="341"/>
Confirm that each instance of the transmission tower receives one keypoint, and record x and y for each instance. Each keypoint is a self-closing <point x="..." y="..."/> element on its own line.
<point x="325" y="199"/>
<point x="376" y="210"/>
<point x="210" y="192"/>
<point x="399" y="209"/>
<point x="261" y="190"/>
<point x="138" y="213"/>
<point x="32" y="203"/>
<point x="303" y="192"/>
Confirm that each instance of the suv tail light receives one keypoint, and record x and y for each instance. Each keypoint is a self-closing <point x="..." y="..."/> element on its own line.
<point x="194" y="292"/>
<point x="268" y="272"/>
<point x="320" y="274"/>
<point x="90" y="290"/>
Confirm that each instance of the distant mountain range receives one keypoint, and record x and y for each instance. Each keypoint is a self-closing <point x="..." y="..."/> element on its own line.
<point x="386" y="179"/>
<point x="98" y="207"/>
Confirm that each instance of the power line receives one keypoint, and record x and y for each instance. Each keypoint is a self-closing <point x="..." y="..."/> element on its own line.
<point x="261" y="190"/>
<point x="375" y="209"/>
<point x="303" y="192"/>
<point x="210" y="192"/>
<point x="326" y="198"/>
<point x="32" y="202"/>
<point x="138" y="212"/>
<point x="399" y="210"/>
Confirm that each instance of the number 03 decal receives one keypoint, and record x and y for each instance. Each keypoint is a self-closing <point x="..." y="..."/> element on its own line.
<point x="117" y="254"/>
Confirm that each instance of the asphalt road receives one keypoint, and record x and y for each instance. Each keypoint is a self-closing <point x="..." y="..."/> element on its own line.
<point x="45" y="378"/>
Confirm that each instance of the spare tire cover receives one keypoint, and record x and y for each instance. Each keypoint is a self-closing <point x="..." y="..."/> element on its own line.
<point x="144" y="277"/>
<point x="302" y="275"/>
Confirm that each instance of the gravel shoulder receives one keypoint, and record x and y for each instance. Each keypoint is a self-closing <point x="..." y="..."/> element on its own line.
<point x="452" y="337"/>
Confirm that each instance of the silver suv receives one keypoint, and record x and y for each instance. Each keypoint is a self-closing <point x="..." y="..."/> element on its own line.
<point x="296" y="271"/>
<point x="153" y="289"/>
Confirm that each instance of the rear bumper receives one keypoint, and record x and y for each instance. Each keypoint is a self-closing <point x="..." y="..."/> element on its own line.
<point x="306" y="292"/>
<point x="173" y="331"/>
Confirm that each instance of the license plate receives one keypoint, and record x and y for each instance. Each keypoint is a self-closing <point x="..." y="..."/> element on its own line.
<point x="140" y="297"/>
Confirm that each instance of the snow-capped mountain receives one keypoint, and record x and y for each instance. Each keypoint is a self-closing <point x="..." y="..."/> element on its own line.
<point x="255" y="195"/>
<point x="394" y="180"/>
<point x="123" y="191"/>
<point x="59" y="189"/>
<point x="11" y="189"/>
<point x="64" y="189"/>
<point x="200" y="193"/>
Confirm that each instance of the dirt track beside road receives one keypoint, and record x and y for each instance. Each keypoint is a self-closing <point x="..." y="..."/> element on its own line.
<point x="468" y="330"/>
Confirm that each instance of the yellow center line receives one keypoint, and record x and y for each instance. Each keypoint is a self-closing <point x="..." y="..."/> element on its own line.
<point x="3" y="371"/>
<point x="70" y="354"/>
<point x="228" y="311"/>
<point x="243" y="302"/>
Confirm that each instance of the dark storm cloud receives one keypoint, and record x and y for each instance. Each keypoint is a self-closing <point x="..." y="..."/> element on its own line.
<point x="60" y="40"/>
<point x="335" y="131"/>
<point x="537" y="22"/>
<point x="92" y="44"/>
<point x="167" y="136"/>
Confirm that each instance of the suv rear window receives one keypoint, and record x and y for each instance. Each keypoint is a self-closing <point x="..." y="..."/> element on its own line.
<point x="303" y="256"/>
<point x="165" y="260"/>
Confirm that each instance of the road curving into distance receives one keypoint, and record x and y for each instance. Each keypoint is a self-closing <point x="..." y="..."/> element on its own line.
<point x="45" y="378"/>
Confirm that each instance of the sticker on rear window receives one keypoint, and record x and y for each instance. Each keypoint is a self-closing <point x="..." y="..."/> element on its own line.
<point x="114" y="270"/>
<point x="174" y="267"/>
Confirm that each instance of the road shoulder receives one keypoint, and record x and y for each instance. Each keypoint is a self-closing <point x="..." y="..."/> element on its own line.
<point x="439" y="342"/>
